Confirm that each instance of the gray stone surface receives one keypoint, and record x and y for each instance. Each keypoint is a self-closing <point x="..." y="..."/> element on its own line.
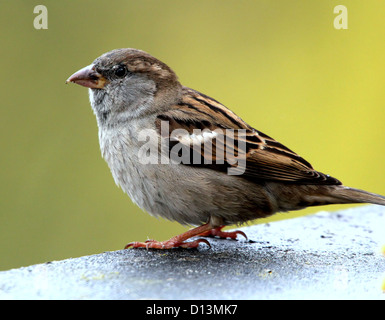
<point x="322" y="256"/>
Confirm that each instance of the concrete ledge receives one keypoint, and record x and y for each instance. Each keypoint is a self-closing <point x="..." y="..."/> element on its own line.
<point x="322" y="256"/>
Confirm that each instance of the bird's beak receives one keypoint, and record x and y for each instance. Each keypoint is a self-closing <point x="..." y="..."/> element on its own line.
<point x="88" y="77"/>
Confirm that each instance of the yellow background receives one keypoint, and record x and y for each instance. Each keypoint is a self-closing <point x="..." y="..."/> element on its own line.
<point x="280" y="65"/>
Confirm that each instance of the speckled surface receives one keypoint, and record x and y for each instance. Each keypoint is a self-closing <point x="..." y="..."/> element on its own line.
<point x="322" y="256"/>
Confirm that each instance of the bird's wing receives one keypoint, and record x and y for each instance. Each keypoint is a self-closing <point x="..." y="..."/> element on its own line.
<point x="214" y="137"/>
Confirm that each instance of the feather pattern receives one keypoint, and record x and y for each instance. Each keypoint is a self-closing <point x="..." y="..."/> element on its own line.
<point x="266" y="158"/>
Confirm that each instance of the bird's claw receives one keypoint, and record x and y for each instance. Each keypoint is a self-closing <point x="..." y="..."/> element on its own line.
<point x="168" y="244"/>
<point x="217" y="232"/>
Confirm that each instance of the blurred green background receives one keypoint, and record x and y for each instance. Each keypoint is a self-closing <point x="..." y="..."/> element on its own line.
<point x="280" y="65"/>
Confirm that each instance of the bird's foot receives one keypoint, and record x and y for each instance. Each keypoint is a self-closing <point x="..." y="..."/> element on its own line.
<point x="175" y="242"/>
<point x="168" y="244"/>
<point x="217" y="232"/>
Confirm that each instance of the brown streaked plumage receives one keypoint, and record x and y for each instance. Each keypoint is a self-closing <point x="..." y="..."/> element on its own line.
<point x="266" y="158"/>
<point x="131" y="92"/>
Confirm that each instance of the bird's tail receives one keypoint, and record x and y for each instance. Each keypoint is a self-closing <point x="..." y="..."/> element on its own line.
<point x="342" y="194"/>
<point x="296" y="197"/>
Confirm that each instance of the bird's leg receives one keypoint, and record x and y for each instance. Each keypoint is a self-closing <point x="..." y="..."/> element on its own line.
<point x="175" y="242"/>
<point x="217" y="232"/>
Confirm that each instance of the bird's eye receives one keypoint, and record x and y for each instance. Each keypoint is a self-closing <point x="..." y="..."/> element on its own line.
<point x="120" y="71"/>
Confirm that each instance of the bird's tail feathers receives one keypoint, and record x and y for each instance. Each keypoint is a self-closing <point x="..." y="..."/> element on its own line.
<point x="344" y="194"/>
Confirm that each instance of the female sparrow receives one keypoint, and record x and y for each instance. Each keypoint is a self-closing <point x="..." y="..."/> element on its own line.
<point x="184" y="156"/>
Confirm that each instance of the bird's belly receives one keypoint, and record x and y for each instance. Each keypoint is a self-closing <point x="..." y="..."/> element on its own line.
<point x="182" y="193"/>
<point x="160" y="189"/>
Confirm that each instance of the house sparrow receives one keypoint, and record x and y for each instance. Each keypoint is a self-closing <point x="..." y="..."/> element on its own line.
<point x="153" y="134"/>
